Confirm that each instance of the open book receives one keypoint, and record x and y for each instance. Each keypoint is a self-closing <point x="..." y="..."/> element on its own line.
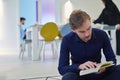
<point x="94" y="70"/>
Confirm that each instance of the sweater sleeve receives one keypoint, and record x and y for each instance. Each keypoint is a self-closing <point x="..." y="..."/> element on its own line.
<point x="107" y="49"/>
<point x="64" y="60"/>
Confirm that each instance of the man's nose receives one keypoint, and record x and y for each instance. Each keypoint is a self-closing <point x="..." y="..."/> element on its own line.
<point x="87" y="34"/>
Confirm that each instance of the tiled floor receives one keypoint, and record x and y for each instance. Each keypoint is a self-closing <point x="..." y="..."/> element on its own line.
<point x="12" y="68"/>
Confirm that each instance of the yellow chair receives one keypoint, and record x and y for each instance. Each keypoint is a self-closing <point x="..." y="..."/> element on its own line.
<point x="49" y="32"/>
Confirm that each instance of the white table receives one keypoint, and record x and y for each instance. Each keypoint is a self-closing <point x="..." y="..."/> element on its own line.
<point x="32" y="32"/>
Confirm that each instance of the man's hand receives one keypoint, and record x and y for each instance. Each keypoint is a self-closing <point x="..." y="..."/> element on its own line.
<point x="101" y="70"/>
<point x="118" y="26"/>
<point x="88" y="65"/>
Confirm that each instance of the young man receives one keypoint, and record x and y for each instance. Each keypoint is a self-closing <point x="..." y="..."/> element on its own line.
<point x="81" y="50"/>
<point x="22" y="32"/>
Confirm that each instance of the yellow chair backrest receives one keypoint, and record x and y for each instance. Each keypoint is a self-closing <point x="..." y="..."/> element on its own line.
<point x="49" y="31"/>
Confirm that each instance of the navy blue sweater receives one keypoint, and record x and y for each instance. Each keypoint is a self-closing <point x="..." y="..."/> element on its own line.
<point x="74" y="51"/>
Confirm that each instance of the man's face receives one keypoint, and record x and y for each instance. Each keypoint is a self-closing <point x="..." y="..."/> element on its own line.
<point x="84" y="32"/>
<point x="22" y="22"/>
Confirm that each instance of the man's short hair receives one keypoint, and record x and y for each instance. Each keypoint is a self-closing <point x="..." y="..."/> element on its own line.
<point x="77" y="18"/>
<point x="22" y="18"/>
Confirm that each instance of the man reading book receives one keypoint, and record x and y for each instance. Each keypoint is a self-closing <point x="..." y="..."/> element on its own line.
<point x="81" y="50"/>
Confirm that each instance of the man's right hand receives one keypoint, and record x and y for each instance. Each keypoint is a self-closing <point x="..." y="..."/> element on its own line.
<point x="88" y="65"/>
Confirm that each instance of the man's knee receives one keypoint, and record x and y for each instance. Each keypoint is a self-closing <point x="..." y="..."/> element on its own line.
<point x="70" y="76"/>
<point x="118" y="67"/>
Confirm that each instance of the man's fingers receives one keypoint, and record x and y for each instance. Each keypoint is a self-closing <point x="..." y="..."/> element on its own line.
<point x="88" y="65"/>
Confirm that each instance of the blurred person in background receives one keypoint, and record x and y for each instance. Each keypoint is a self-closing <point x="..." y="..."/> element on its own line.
<point x="22" y="31"/>
<point x="111" y="16"/>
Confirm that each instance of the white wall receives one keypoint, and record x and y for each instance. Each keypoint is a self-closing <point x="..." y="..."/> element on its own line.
<point x="28" y="10"/>
<point x="1" y="21"/>
<point x="92" y="7"/>
<point x="9" y="20"/>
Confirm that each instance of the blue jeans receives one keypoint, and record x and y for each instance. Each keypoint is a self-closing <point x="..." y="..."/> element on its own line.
<point x="111" y="73"/>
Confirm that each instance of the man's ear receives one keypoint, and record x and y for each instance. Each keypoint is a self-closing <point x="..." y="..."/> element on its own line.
<point x="73" y="29"/>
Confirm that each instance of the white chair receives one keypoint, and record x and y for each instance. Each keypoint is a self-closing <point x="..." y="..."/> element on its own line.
<point x="23" y="44"/>
<point x="23" y="48"/>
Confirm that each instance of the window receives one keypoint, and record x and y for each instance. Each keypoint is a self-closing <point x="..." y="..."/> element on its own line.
<point x="48" y="11"/>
